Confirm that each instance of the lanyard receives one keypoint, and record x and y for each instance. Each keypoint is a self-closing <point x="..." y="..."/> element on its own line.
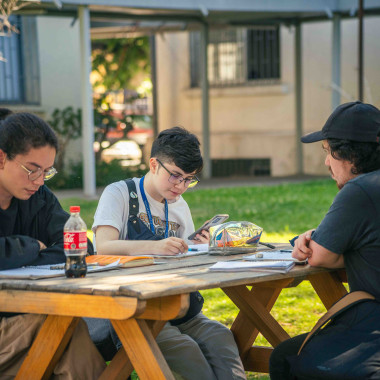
<point x="147" y="208"/>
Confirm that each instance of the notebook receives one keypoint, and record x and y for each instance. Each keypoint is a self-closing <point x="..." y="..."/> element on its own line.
<point x="267" y="266"/>
<point x="278" y="255"/>
<point x="46" y="271"/>
<point x="194" y="250"/>
<point x="124" y="261"/>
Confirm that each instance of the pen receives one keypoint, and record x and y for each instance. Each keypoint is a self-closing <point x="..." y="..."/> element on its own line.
<point x="267" y="245"/>
<point x="286" y="250"/>
<point x="192" y="250"/>
<point x="57" y="267"/>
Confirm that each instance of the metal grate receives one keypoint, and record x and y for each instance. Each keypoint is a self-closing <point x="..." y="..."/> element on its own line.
<point x="240" y="167"/>
<point x="237" y="56"/>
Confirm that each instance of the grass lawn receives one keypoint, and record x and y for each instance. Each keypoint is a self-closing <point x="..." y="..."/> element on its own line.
<point x="283" y="211"/>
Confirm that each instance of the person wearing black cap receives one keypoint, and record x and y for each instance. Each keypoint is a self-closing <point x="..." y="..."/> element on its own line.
<point x="349" y="237"/>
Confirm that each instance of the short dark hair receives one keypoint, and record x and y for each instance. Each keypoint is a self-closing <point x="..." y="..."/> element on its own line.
<point x="365" y="156"/>
<point x="20" y="132"/>
<point x="179" y="146"/>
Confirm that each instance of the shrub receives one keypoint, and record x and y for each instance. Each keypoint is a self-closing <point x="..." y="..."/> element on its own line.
<point x="106" y="173"/>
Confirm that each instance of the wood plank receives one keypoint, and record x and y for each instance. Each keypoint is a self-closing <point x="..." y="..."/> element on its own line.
<point x="142" y="349"/>
<point x="328" y="286"/>
<point x="282" y="283"/>
<point x="166" y="308"/>
<point x="257" y="359"/>
<point x="121" y="367"/>
<point x="78" y="305"/>
<point x="47" y="348"/>
<point x="258" y="314"/>
<point x="244" y="330"/>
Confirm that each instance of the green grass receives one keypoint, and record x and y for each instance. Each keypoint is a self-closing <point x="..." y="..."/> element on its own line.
<point x="283" y="211"/>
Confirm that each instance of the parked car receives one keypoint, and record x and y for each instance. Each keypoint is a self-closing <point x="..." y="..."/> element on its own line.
<point x="127" y="151"/>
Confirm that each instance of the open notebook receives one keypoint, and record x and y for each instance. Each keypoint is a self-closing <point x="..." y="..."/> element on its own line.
<point x="277" y="255"/>
<point x="46" y="271"/>
<point x="194" y="250"/>
<point x="267" y="266"/>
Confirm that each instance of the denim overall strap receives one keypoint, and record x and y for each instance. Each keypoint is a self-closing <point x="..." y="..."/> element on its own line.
<point x="137" y="230"/>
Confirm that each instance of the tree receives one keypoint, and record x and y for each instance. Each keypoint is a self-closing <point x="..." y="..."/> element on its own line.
<point x="118" y="60"/>
<point x="67" y="125"/>
<point x="115" y="63"/>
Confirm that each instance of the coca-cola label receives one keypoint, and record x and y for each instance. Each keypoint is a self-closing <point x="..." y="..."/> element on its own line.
<point x="75" y="240"/>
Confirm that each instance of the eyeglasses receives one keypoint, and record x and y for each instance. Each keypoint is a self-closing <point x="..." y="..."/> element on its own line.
<point x="35" y="174"/>
<point x="177" y="179"/>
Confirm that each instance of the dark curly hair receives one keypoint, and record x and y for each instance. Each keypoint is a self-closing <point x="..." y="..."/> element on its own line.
<point x="179" y="146"/>
<point x="20" y="132"/>
<point x="365" y="156"/>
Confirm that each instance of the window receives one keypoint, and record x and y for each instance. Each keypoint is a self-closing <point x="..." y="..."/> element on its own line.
<point x="19" y="75"/>
<point x="237" y="56"/>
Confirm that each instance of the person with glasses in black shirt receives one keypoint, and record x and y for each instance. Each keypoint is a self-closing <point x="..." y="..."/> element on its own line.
<point x="148" y="215"/>
<point x="31" y="233"/>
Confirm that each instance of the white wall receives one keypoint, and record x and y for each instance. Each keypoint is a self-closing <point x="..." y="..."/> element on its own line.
<point x="59" y="56"/>
<point x="259" y="121"/>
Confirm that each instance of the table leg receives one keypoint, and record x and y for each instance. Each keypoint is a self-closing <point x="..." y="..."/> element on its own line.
<point x="121" y="367"/>
<point x="255" y="317"/>
<point x="257" y="313"/>
<point x="245" y="332"/>
<point x="47" y="348"/>
<point x="328" y="286"/>
<point x="142" y="349"/>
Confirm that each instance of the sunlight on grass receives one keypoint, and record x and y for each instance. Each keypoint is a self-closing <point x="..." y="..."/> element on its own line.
<point x="276" y="237"/>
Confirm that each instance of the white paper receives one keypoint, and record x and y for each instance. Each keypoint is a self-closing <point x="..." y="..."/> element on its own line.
<point x="273" y="256"/>
<point x="199" y="249"/>
<point x="44" y="271"/>
<point x="272" y="266"/>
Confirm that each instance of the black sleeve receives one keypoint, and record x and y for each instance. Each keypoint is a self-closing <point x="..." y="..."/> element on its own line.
<point x="52" y="233"/>
<point x="346" y="225"/>
<point x="18" y="250"/>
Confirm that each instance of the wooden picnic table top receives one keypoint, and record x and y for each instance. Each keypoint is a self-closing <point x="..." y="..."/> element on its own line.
<point x="175" y="276"/>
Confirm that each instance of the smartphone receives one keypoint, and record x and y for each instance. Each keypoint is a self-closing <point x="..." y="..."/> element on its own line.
<point x="215" y="220"/>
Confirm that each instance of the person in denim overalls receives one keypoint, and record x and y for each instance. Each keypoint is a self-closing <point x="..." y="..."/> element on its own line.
<point x="148" y="215"/>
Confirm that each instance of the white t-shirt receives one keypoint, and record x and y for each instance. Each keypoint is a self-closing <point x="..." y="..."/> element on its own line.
<point x="113" y="210"/>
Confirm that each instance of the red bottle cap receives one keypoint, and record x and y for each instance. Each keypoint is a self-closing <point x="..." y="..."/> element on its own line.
<point x="74" y="209"/>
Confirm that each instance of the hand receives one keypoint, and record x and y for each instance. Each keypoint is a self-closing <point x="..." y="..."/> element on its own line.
<point x="202" y="238"/>
<point x="42" y="245"/>
<point x="301" y="250"/>
<point x="170" y="246"/>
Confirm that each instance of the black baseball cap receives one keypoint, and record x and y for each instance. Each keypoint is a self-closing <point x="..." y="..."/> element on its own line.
<point x="355" y="121"/>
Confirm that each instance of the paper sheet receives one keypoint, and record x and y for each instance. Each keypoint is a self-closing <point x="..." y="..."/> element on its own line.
<point x="279" y="255"/>
<point x="44" y="271"/>
<point x="271" y="266"/>
<point x="199" y="249"/>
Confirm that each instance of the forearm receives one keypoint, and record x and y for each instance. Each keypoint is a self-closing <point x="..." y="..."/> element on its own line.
<point x="125" y="247"/>
<point x="331" y="262"/>
<point x="322" y="257"/>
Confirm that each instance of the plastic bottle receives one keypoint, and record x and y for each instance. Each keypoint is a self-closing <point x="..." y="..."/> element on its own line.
<point x="75" y="244"/>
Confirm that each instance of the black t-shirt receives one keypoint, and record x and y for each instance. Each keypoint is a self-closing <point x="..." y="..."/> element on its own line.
<point x="352" y="228"/>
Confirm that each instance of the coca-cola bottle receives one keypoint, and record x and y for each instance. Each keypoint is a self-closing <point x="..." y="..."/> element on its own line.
<point x="75" y="244"/>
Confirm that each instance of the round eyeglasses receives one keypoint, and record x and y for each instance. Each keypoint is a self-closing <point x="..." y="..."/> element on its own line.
<point x="176" y="179"/>
<point x="35" y="174"/>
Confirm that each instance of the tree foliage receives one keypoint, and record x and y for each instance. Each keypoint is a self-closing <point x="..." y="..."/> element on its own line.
<point x="68" y="126"/>
<point x="118" y="60"/>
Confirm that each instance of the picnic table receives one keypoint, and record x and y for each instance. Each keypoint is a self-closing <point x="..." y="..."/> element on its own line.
<point x="140" y="300"/>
